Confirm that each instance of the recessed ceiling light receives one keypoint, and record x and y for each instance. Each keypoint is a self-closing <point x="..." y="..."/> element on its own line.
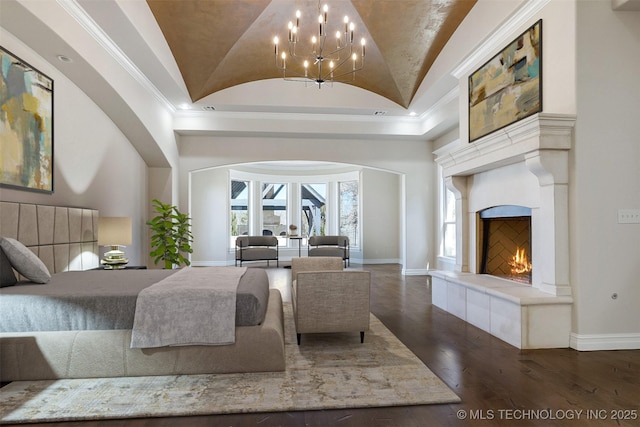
<point x="412" y="113"/>
<point x="184" y="106"/>
<point x="65" y="59"/>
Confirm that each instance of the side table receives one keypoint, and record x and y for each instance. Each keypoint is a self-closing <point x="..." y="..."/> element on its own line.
<point x="299" y="239"/>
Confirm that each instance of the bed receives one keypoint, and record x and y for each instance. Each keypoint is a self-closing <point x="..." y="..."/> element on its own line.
<point x="79" y="324"/>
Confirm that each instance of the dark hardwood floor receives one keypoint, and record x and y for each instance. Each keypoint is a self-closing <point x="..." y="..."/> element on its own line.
<point x="499" y="385"/>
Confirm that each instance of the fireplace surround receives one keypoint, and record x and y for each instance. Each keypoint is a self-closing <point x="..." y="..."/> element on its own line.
<point x="525" y="164"/>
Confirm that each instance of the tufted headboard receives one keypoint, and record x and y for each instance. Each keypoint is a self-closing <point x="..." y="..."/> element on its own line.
<point x="64" y="238"/>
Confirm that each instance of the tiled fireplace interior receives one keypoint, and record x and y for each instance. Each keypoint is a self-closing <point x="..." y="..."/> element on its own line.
<point x="504" y="242"/>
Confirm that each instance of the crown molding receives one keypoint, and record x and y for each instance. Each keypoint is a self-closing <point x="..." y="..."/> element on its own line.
<point x="499" y="38"/>
<point x="75" y="10"/>
<point x="448" y="97"/>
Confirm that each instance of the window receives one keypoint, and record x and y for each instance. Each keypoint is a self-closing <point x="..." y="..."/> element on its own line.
<point x="274" y="209"/>
<point x="239" y="209"/>
<point x="448" y="247"/>
<point x="319" y="205"/>
<point x="314" y="209"/>
<point x="348" y="210"/>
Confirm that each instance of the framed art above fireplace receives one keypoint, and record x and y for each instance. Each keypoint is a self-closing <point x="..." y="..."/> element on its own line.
<point x="508" y="87"/>
<point x="26" y="126"/>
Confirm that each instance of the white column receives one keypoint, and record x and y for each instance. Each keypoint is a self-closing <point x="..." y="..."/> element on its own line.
<point x="458" y="185"/>
<point x="551" y="251"/>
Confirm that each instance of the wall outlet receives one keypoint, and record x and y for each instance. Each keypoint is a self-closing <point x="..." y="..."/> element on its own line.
<point x="628" y="216"/>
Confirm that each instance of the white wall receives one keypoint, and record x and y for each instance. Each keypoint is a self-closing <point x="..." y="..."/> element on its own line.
<point x="605" y="255"/>
<point x="209" y="211"/>
<point x="381" y="211"/>
<point x="95" y="165"/>
<point x="412" y="159"/>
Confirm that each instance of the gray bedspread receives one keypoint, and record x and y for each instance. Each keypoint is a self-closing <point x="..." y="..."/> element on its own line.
<point x="99" y="299"/>
<point x="195" y="306"/>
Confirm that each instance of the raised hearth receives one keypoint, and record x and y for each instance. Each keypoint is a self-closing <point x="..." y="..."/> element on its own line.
<point x="519" y="314"/>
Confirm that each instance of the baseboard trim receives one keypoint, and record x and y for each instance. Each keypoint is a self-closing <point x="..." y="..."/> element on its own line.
<point x="416" y="272"/>
<point x="378" y="261"/>
<point x="583" y="342"/>
<point x="211" y="263"/>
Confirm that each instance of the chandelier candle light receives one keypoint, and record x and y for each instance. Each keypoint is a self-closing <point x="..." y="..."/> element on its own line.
<point x="321" y="63"/>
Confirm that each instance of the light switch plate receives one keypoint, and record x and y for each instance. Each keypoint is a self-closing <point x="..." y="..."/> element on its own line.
<point x="628" y="216"/>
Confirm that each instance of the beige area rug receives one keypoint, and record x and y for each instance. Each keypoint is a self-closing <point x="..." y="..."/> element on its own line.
<point x="327" y="371"/>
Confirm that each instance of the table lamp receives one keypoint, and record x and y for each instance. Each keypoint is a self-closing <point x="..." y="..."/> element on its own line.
<point x="114" y="232"/>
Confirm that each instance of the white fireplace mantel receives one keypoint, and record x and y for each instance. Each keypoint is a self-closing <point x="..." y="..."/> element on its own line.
<point x="509" y="145"/>
<point x="541" y="144"/>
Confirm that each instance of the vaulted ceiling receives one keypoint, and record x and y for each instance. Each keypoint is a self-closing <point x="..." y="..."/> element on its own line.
<point x="218" y="44"/>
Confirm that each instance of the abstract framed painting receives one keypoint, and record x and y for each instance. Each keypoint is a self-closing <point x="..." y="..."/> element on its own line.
<point x="26" y="126"/>
<point x="508" y="87"/>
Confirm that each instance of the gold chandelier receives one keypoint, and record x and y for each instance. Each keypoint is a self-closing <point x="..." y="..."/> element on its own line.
<point x="323" y="61"/>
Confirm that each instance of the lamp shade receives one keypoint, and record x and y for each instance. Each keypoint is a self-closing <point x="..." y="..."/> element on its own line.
<point x="114" y="231"/>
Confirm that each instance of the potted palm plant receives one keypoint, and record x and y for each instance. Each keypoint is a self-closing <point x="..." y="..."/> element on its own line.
<point x="171" y="236"/>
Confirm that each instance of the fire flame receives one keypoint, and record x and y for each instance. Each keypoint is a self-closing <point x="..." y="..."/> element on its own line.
<point x="519" y="262"/>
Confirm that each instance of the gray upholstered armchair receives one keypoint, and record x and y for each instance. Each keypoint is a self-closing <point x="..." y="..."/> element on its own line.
<point x="327" y="298"/>
<point x="257" y="248"/>
<point x="330" y="246"/>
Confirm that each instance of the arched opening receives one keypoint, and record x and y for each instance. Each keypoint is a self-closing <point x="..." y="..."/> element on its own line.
<point x="258" y="197"/>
